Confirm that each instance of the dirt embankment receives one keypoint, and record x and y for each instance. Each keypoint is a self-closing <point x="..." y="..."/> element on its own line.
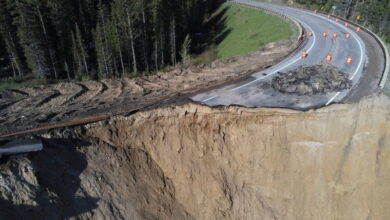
<point x="195" y="162"/>
<point x="27" y="108"/>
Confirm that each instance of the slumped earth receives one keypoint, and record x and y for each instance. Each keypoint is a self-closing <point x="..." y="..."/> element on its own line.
<point x="26" y="108"/>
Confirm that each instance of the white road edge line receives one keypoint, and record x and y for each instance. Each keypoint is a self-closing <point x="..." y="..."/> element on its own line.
<point x="294" y="61"/>
<point x="213" y="97"/>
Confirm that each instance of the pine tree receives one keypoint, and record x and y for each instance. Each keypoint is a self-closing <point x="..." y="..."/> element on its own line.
<point x="80" y="65"/>
<point x="8" y="34"/>
<point x="185" y="51"/>
<point x="77" y="60"/>
<point x="30" y="38"/>
<point x="130" y="29"/>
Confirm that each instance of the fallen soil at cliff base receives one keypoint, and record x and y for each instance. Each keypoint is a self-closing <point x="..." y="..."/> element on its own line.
<point x="196" y="162"/>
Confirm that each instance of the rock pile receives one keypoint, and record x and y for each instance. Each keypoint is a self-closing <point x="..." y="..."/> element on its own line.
<point x="309" y="80"/>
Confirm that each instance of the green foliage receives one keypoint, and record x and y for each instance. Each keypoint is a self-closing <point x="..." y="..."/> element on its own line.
<point x="248" y="30"/>
<point x="88" y="39"/>
<point x="69" y="39"/>
<point x="374" y="14"/>
<point x="79" y="55"/>
<point x="208" y="56"/>
<point x="185" y="50"/>
<point x="11" y="83"/>
<point x="30" y="34"/>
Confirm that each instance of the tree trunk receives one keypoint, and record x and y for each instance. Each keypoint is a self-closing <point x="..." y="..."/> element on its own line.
<point x="173" y="42"/>
<point x="120" y="53"/>
<point x="67" y="70"/>
<point x="145" y="41"/>
<point x="156" y="54"/>
<point x="14" y="56"/>
<point x="131" y="41"/>
<point x="115" y="66"/>
<point x="104" y="44"/>
<point x="12" y="65"/>
<point x="47" y="43"/>
<point x="82" y="50"/>
<point x="162" y="48"/>
<point x="104" y="60"/>
<point x="122" y="65"/>
<point x="17" y="67"/>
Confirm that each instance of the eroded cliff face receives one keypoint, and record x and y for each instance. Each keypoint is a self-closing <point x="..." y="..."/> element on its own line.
<point x="195" y="162"/>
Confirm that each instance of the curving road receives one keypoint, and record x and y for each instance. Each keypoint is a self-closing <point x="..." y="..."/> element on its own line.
<point x="255" y="91"/>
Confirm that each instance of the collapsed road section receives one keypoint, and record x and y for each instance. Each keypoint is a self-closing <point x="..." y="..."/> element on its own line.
<point x="347" y="49"/>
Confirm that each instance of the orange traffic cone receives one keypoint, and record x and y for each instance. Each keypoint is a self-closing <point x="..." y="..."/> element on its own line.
<point x="349" y="60"/>
<point x="347" y="35"/>
<point x="337" y="20"/>
<point x="357" y="29"/>
<point x="325" y="34"/>
<point x="310" y="33"/>
<point x="304" y="54"/>
<point x="334" y="35"/>
<point x="346" y="24"/>
<point x="329" y="58"/>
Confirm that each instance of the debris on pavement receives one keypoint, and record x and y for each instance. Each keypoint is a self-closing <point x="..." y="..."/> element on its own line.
<point x="310" y="80"/>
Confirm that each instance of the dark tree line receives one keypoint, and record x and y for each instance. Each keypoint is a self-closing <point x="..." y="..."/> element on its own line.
<point x="374" y="14"/>
<point x="76" y="39"/>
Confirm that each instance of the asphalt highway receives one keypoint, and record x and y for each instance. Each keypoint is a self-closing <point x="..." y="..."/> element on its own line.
<point x="255" y="91"/>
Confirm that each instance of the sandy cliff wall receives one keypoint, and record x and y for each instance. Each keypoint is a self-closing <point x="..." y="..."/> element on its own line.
<point x="194" y="162"/>
<point x="268" y="163"/>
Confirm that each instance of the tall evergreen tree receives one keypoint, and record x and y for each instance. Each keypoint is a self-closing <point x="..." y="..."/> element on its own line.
<point x="31" y="37"/>
<point x="8" y="34"/>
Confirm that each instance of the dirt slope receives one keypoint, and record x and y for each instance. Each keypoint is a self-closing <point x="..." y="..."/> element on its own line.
<point x="31" y="107"/>
<point x="194" y="162"/>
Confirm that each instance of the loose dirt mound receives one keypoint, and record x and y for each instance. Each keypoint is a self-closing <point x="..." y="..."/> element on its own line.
<point x="311" y="80"/>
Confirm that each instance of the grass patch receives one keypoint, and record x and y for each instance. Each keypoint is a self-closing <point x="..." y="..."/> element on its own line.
<point x="250" y="30"/>
<point x="10" y="83"/>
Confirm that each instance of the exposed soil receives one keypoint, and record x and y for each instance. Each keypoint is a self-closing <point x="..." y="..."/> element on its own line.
<point x="310" y="80"/>
<point x="32" y="107"/>
<point x="196" y="162"/>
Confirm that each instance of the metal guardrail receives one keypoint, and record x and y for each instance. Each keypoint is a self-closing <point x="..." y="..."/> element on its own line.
<point x="268" y="11"/>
